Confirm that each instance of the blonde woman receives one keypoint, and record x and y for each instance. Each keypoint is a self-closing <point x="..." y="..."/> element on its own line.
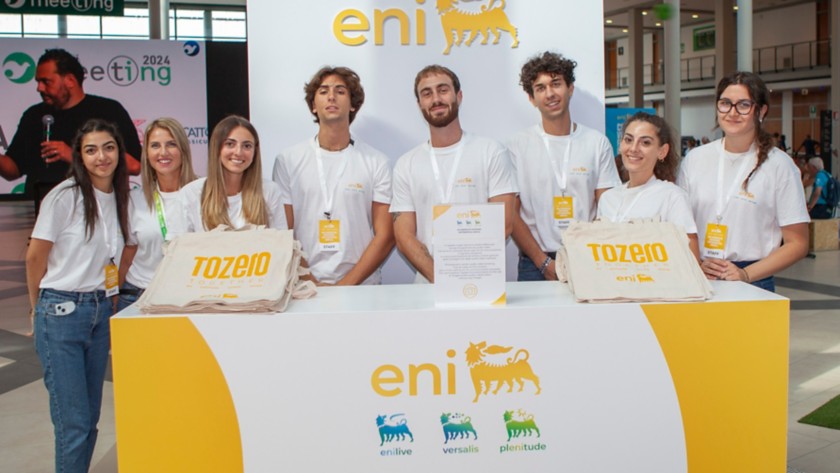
<point x="234" y="192"/>
<point x="155" y="211"/>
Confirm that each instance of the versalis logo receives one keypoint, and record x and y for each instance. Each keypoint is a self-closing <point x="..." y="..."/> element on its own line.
<point x="227" y="267"/>
<point x="634" y="253"/>
<point x="457" y="23"/>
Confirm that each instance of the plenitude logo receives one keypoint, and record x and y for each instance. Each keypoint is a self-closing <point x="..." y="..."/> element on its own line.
<point x="459" y="25"/>
<point x="487" y="372"/>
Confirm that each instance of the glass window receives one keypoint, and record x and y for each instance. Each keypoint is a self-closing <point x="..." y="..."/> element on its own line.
<point x="229" y="25"/>
<point x="189" y="24"/>
<point x="40" y="25"/>
<point x="134" y="24"/>
<point x="10" y="26"/>
<point x="83" y="27"/>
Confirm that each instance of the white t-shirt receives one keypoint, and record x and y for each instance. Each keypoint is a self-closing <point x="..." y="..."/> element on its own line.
<point x="484" y="171"/>
<point x="653" y="199"/>
<point x="191" y="201"/>
<point x="76" y="263"/>
<point x="365" y="177"/>
<point x="147" y="235"/>
<point x="591" y="166"/>
<point x="774" y="198"/>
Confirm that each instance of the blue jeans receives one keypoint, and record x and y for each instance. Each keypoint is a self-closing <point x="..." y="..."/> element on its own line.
<point x="129" y="293"/>
<point x="528" y="271"/>
<point x="73" y="338"/>
<point x="768" y="283"/>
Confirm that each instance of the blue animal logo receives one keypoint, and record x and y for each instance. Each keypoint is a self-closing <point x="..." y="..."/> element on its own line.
<point x="392" y="430"/>
<point x="19" y="68"/>
<point x="191" y="48"/>
<point x="520" y="425"/>
<point x="456" y="426"/>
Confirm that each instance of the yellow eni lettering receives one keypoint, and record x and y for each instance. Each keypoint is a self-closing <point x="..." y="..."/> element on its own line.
<point x="353" y="20"/>
<point x="215" y="267"/>
<point x="635" y="253"/>
<point x="392" y="375"/>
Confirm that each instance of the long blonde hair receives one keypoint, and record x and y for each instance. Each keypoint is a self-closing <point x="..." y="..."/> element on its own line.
<point x="147" y="172"/>
<point x="214" y="202"/>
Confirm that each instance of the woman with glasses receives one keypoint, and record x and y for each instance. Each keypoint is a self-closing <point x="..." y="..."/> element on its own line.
<point x="745" y="193"/>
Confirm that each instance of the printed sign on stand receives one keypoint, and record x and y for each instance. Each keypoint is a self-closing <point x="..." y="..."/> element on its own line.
<point x="469" y="252"/>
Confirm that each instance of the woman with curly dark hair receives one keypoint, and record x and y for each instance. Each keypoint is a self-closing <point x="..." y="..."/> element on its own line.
<point x="745" y="194"/>
<point x="649" y="153"/>
<point x="72" y="276"/>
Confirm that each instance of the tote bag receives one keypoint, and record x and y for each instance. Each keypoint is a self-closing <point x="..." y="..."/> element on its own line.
<point x="635" y="261"/>
<point x="248" y="270"/>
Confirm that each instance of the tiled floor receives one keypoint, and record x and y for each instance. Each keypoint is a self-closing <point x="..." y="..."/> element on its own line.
<point x="26" y="441"/>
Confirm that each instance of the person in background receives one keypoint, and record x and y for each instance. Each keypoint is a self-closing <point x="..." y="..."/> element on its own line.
<point x="817" y="203"/>
<point x="649" y="154"/>
<point x="453" y="167"/>
<point x="155" y="212"/>
<point x="810" y="146"/>
<point x="337" y="189"/>
<point x="71" y="274"/>
<point x="45" y="157"/>
<point x="562" y="167"/>
<point x="234" y="192"/>
<point x="745" y="193"/>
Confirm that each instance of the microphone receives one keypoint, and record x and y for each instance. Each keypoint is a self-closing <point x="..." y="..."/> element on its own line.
<point x="47" y="121"/>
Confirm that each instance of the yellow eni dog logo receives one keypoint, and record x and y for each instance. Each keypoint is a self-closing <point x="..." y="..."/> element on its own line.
<point x="456" y="23"/>
<point x="350" y="25"/>
<point x="389" y="380"/>
<point x="227" y="267"/>
<point x="635" y="253"/>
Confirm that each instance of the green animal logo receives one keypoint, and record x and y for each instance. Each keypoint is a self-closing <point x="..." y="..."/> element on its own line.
<point x="521" y="424"/>
<point x="19" y="68"/>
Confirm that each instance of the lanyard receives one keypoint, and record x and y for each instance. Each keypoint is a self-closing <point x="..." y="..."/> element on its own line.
<point x="446" y="194"/>
<point x="620" y="217"/>
<point x="562" y="178"/>
<point x="110" y="242"/>
<point x="161" y="214"/>
<point x="329" y="196"/>
<point x="723" y="201"/>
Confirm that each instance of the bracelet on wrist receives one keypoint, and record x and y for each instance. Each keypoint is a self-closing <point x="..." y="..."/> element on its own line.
<point x="545" y="264"/>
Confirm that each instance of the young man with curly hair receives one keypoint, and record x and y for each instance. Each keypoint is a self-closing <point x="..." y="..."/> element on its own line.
<point x="562" y="166"/>
<point x="337" y="189"/>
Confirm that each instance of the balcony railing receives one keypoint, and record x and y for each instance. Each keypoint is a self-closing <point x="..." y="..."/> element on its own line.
<point x="782" y="58"/>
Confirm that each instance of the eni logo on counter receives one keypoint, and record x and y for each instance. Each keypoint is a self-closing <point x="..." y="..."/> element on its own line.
<point x="227" y="267"/>
<point x="490" y="370"/>
<point x="460" y="26"/>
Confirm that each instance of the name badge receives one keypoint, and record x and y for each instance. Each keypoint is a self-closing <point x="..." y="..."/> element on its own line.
<point x="714" y="245"/>
<point x="112" y="280"/>
<point x="329" y="235"/>
<point x="564" y="210"/>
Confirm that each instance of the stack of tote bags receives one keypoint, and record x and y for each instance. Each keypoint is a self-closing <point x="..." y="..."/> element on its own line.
<point x="251" y="270"/>
<point x="637" y="261"/>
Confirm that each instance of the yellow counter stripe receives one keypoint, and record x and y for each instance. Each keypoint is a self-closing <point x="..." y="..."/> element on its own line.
<point x="173" y="408"/>
<point x="729" y="364"/>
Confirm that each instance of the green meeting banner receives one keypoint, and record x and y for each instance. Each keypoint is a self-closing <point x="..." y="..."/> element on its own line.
<point x="64" y="7"/>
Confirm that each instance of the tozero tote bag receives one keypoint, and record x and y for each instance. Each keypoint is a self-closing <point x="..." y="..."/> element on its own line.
<point x="635" y="261"/>
<point x="250" y="270"/>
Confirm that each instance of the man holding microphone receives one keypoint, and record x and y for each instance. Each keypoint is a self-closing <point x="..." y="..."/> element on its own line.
<point x="40" y="148"/>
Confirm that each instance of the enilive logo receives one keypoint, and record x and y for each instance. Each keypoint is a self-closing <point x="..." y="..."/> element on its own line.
<point x="490" y="368"/>
<point x="460" y="26"/>
<point x="19" y="67"/>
